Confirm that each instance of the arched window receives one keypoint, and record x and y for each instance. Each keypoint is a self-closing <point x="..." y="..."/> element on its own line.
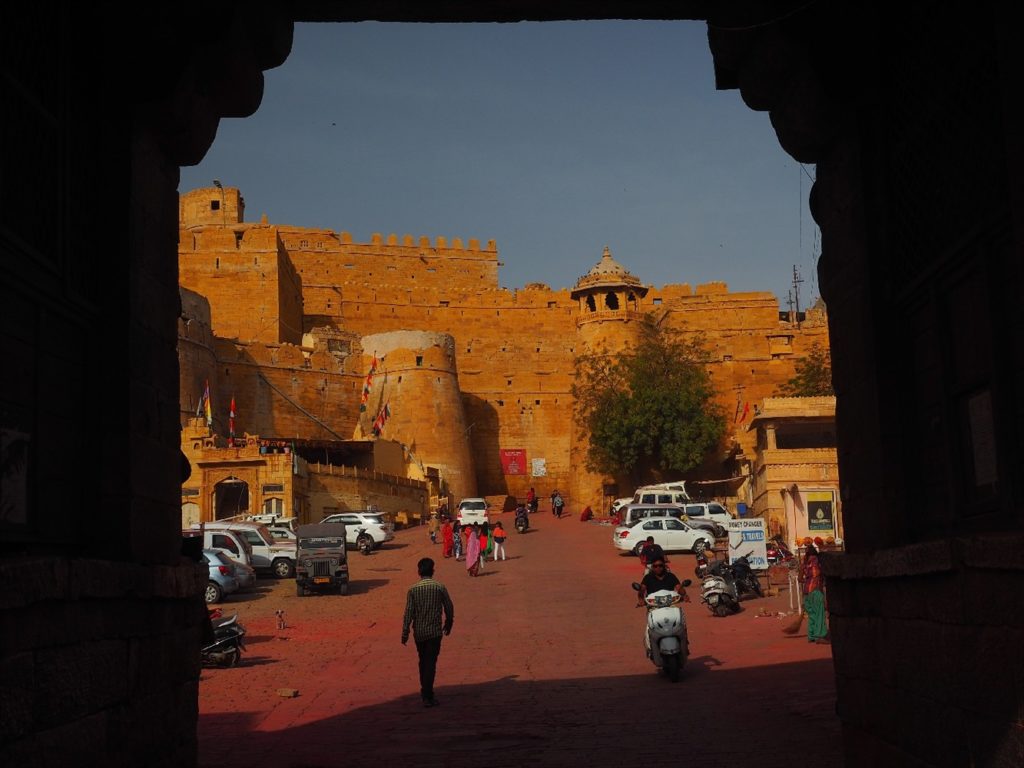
<point x="611" y="301"/>
<point x="590" y="304"/>
<point x="273" y="506"/>
<point x="189" y="514"/>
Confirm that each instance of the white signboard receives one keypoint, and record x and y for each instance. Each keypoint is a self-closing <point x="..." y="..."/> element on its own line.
<point x="539" y="467"/>
<point x="747" y="537"/>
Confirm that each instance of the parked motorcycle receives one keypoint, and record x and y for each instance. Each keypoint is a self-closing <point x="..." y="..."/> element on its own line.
<point x="665" y="639"/>
<point x="226" y="648"/>
<point x="778" y="553"/>
<point x="364" y="542"/>
<point x="745" y="578"/>
<point x="522" y="519"/>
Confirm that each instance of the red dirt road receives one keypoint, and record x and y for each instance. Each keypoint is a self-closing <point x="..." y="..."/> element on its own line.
<point x="545" y="667"/>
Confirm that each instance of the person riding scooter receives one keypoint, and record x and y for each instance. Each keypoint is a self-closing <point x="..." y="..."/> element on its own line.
<point x="660" y="578"/>
<point x="665" y="639"/>
<point x="522" y="518"/>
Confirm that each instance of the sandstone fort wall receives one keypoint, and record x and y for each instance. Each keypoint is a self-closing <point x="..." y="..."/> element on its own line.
<point x="515" y="349"/>
<point x="417" y="377"/>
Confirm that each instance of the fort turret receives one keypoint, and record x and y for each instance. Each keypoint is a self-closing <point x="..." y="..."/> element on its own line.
<point x="609" y="299"/>
<point x="418" y="380"/>
<point x="211" y="206"/>
<point x="608" y="321"/>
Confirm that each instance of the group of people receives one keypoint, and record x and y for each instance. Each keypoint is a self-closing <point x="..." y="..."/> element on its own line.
<point x="657" y="576"/>
<point x="557" y="502"/>
<point x="473" y="543"/>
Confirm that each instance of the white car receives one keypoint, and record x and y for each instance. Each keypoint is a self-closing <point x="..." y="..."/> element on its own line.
<point x="671" y="534"/>
<point x="472" y="511"/>
<point x="374" y="523"/>
<point x="268" y="553"/>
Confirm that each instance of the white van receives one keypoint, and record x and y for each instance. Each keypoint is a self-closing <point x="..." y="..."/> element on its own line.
<point x="650" y="495"/>
<point x="266" y="552"/>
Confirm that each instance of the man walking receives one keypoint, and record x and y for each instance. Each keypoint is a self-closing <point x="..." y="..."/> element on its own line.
<point x="424" y="604"/>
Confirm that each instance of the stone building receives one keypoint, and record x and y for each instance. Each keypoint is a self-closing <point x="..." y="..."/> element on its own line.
<point x="288" y="321"/>
<point x="794" y="475"/>
<point x="911" y="113"/>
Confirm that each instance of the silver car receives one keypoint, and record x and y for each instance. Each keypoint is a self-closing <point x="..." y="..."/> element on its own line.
<point x="245" y="574"/>
<point x="222" y="580"/>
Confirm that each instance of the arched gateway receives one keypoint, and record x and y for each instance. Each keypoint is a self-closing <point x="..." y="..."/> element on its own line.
<point x="911" y="113"/>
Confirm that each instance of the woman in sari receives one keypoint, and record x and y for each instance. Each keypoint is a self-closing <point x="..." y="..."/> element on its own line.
<point x="447" y="538"/>
<point x="457" y="539"/>
<point x="473" y="551"/>
<point x="814" y="596"/>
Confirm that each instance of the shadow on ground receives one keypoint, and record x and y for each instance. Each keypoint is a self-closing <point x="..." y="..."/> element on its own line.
<point x="763" y="716"/>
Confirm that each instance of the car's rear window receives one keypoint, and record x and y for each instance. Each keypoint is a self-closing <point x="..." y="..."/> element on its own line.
<point x="375" y="519"/>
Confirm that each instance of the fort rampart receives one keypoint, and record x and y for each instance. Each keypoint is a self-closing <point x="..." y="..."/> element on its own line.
<point x="501" y="380"/>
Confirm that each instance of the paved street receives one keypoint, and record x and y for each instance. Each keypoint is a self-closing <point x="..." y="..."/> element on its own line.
<point x="545" y="667"/>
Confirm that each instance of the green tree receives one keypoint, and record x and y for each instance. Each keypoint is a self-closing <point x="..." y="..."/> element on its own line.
<point x="650" y="408"/>
<point x="813" y="376"/>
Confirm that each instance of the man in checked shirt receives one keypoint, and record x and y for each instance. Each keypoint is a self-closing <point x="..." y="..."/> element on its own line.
<point x="423" y="606"/>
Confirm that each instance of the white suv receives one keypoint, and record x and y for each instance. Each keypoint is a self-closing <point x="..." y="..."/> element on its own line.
<point x="374" y="523"/>
<point x="472" y="511"/>
<point x="268" y="553"/>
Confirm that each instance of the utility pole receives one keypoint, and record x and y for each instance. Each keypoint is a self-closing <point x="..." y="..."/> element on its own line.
<point x="796" y="292"/>
<point x="789" y="303"/>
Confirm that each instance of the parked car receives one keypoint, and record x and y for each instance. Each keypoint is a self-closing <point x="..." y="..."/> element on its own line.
<point x="222" y="580"/>
<point x="268" y="553"/>
<point x="473" y="510"/>
<point x="323" y="561"/>
<point x="231" y="542"/>
<point x="282" y="532"/>
<point x="374" y="523"/>
<point x="618" y="504"/>
<point x="708" y="510"/>
<point x="245" y="574"/>
<point x="663" y="493"/>
<point x="631" y="513"/>
<point x="673" y="535"/>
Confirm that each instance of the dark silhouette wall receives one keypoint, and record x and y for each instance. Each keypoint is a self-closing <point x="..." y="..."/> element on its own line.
<point x="912" y="115"/>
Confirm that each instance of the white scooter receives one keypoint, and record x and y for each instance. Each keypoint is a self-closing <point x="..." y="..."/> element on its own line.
<point x="665" y="640"/>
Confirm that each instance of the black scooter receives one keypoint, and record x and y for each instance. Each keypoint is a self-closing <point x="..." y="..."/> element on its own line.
<point x="226" y="648"/>
<point x="522" y="519"/>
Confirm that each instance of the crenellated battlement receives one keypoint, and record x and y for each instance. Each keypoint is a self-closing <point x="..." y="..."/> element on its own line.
<point x="468" y="367"/>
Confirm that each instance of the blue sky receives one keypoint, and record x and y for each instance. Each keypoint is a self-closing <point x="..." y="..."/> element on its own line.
<point x="553" y="139"/>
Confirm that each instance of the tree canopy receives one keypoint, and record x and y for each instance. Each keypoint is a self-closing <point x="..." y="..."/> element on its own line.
<point x="813" y="376"/>
<point x="649" y="408"/>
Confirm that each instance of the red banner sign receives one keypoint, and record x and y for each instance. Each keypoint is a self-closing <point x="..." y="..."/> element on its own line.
<point x="513" y="461"/>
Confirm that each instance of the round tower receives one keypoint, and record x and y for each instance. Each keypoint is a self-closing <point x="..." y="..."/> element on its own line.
<point x="417" y="379"/>
<point x="609" y="299"/>
<point x="610" y="309"/>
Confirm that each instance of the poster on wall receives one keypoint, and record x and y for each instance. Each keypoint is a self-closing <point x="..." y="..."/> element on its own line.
<point x="513" y="461"/>
<point x="539" y="468"/>
<point x="820" y="511"/>
<point x="747" y="538"/>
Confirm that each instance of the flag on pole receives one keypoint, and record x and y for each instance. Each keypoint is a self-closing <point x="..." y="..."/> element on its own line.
<point x="231" y="423"/>
<point x="746" y="410"/>
<point x="382" y="417"/>
<point x="207" y="407"/>
<point x="368" y="384"/>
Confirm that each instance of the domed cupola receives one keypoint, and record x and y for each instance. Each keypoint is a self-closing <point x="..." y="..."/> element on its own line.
<point x="608" y="288"/>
